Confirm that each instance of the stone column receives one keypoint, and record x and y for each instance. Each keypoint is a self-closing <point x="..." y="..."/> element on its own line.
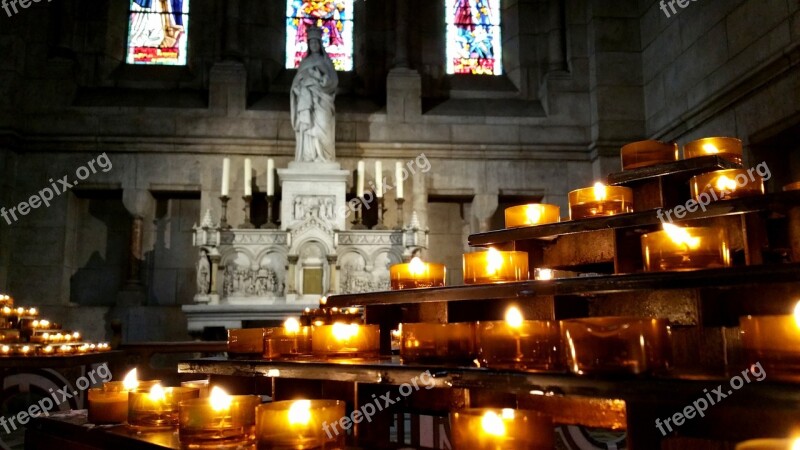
<point x="483" y="208"/>
<point x="401" y="34"/>
<point x="333" y="286"/>
<point x="232" y="50"/>
<point x="291" y="270"/>
<point x="403" y="85"/>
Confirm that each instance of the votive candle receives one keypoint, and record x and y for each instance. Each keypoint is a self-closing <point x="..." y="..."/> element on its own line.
<point x="725" y="147"/>
<point x="532" y="214"/>
<point x="689" y="248"/>
<point x="494" y="266"/>
<point x="516" y="343"/>
<point x="417" y="274"/>
<point x="299" y="424"/>
<point x="217" y="420"/>
<point x="342" y="339"/>
<point x="600" y="200"/>
<point x="158" y="407"/>
<point x="726" y="184"/>
<point x="501" y="429"/>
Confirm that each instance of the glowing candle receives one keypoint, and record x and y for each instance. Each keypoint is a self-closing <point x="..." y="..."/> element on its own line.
<point x="226" y="176"/>
<point x="157" y="408"/>
<point x="217" y="419"/>
<point x="600" y="200"/>
<point x="516" y="343"/>
<point x="725" y="184"/>
<point x="677" y="248"/>
<point x="299" y="424"/>
<point x="492" y="429"/>
<point x="769" y="444"/>
<point x="774" y="341"/>
<point x="342" y="339"/>
<point x="493" y="266"/>
<point x="417" y="274"/>
<point x="724" y="147"/>
<point x="109" y="404"/>
<point x="291" y="340"/>
<point x="532" y="214"/>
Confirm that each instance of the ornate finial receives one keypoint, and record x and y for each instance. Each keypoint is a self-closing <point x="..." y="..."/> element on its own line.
<point x="314" y="33"/>
<point x="415" y="225"/>
<point x="207" y="222"/>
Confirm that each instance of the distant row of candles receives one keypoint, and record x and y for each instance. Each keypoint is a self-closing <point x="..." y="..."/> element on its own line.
<point x="360" y="178"/>
<point x="207" y="417"/>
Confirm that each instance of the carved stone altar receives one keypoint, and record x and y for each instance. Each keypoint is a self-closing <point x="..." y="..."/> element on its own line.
<point x="266" y="274"/>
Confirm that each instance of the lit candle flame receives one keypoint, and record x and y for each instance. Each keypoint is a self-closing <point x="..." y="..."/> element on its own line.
<point x="157" y="393"/>
<point x="33" y="311"/>
<point x="344" y="331"/>
<point x="219" y="399"/>
<point x="600" y="192"/>
<point x="681" y="237"/>
<point x="796" y="444"/>
<point x="492" y="424"/>
<point x="710" y="149"/>
<point x="300" y="412"/>
<point x="514" y="317"/>
<point x="726" y="184"/>
<point x="323" y="301"/>
<point x="533" y="213"/>
<point x="131" y="380"/>
<point x="6" y="349"/>
<point x="494" y="261"/>
<point x="416" y="266"/>
<point x="797" y="319"/>
<point x="544" y="274"/>
<point x="291" y="325"/>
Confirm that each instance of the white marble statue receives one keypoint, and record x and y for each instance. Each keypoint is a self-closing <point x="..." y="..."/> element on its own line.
<point x="313" y="112"/>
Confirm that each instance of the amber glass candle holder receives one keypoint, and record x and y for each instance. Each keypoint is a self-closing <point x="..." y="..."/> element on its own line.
<point x="724" y="147"/>
<point x="108" y="404"/>
<point x="157" y="409"/>
<point x="205" y="423"/>
<point x="436" y="342"/>
<point x="768" y="444"/>
<point x="648" y="153"/>
<point x="774" y="341"/>
<point x="501" y="429"/>
<point x="248" y="341"/>
<point x="725" y="185"/>
<point x="495" y="266"/>
<point x="599" y="201"/>
<point x="524" y="345"/>
<point x="532" y="214"/>
<point x="280" y="342"/>
<point x="795" y="186"/>
<point x="299" y="424"/>
<point x="202" y="387"/>
<point x="342" y="339"/>
<point x="417" y="274"/>
<point x="617" y="345"/>
<point x="690" y="248"/>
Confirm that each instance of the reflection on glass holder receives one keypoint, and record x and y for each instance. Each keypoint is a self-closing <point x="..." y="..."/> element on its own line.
<point x="725" y="185"/>
<point x="438" y="343"/>
<point x="501" y="429"/>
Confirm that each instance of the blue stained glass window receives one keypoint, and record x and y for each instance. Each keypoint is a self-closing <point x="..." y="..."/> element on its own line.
<point x="335" y="17"/>
<point x="158" y="32"/>
<point x="473" y="37"/>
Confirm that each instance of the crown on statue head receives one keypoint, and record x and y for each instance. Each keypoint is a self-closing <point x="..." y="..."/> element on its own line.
<point x="315" y="33"/>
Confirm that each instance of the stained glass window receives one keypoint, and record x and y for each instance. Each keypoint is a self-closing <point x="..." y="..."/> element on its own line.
<point x="473" y="37"/>
<point x="335" y="17"/>
<point x="158" y="32"/>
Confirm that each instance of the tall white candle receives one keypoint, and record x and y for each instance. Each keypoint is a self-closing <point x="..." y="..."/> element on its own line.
<point x="398" y="175"/>
<point x="378" y="179"/>
<point x="360" y="184"/>
<point x="226" y="176"/>
<point x="270" y="177"/>
<point x="248" y="178"/>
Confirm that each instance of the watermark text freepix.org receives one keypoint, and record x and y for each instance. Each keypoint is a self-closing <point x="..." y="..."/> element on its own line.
<point x="667" y="5"/>
<point x="101" y="374"/>
<point x="47" y="194"/>
<point x="714" y="193"/>
<point x="379" y="404"/>
<point x="11" y="5"/>
<point x="699" y="406"/>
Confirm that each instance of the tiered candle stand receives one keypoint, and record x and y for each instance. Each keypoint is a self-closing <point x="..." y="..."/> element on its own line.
<point x="703" y="307"/>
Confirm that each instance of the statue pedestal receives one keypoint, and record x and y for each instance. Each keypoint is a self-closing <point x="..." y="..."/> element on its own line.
<point x="313" y="190"/>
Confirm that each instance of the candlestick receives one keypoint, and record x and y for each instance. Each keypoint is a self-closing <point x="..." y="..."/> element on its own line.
<point x="270" y="177"/>
<point x="690" y="248"/>
<point x="617" y="345"/>
<point x="358" y="222"/>
<point x="725" y="185"/>
<point x="223" y="221"/>
<point x="270" y="225"/>
<point x="248" y="224"/>
<point x="299" y="424"/>
<point x="519" y="344"/>
<point x="417" y="274"/>
<point x="381" y="211"/>
<point x="600" y="200"/>
<point x="360" y="183"/>
<point x="494" y="429"/>
<point x="378" y="179"/>
<point x="226" y="176"/>
<point x="493" y="266"/>
<point x="724" y="147"/>
<point x="398" y="179"/>
<point x="400" y="217"/>
<point x="248" y="178"/>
